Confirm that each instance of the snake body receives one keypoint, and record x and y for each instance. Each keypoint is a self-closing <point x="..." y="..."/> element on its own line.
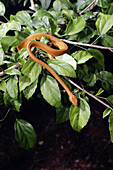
<point x="62" y="48"/>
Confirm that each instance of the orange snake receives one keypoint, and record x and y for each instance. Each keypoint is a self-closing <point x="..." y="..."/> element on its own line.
<point x="51" y="52"/>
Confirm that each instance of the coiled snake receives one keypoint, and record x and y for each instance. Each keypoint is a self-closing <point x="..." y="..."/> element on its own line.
<point x="62" y="48"/>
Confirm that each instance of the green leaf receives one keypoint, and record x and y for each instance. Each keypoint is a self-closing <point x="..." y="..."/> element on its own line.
<point x="12" y="87"/>
<point x="44" y="40"/>
<point x="98" y="56"/>
<point x="104" y="23"/>
<point x="52" y="26"/>
<point x="45" y="3"/>
<point x="82" y="56"/>
<point x="107" y="40"/>
<point x="1" y="55"/>
<point x="104" y="3"/>
<point x="66" y="3"/>
<point x="25" y="2"/>
<point x="21" y="61"/>
<point x="23" y="18"/>
<point x="2" y="9"/>
<point x="110" y="98"/>
<point x="41" y="30"/>
<point x="106" y="85"/>
<point x="62" y="68"/>
<point x="68" y="13"/>
<point x="12" y="103"/>
<point x="66" y="82"/>
<point x="75" y="26"/>
<point x="25" y="134"/>
<point x="30" y="90"/>
<point x="57" y="6"/>
<point x="79" y="116"/>
<point x="88" y="15"/>
<point x="21" y="54"/>
<point x="106" y="112"/>
<point x="7" y="41"/>
<point x="41" y="22"/>
<point x="84" y="36"/>
<point x="68" y="59"/>
<point x="41" y="13"/>
<point x="111" y="125"/>
<point x="92" y="80"/>
<point x="100" y="91"/>
<point x="3" y="85"/>
<point x="50" y="91"/>
<point x="20" y="36"/>
<point x="107" y="76"/>
<point x="81" y="4"/>
<point x="31" y="69"/>
<point x="110" y="10"/>
<point x="62" y="114"/>
<point x="13" y="71"/>
<point x="24" y="81"/>
<point x="4" y="28"/>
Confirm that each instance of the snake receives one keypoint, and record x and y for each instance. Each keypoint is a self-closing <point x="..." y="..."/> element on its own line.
<point x="61" y="49"/>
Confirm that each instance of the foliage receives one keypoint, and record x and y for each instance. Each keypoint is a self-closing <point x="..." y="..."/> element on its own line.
<point x="84" y="65"/>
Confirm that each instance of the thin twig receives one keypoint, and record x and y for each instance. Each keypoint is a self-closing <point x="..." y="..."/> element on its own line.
<point x="4" y="72"/>
<point x="89" y="7"/>
<point x="5" y="18"/>
<point x="87" y="45"/>
<point x="1" y="120"/>
<point x="91" y="95"/>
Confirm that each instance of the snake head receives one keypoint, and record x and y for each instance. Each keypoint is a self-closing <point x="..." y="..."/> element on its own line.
<point x="73" y="99"/>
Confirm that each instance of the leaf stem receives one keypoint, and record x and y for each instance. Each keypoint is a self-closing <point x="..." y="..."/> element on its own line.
<point x="81" y="47"/>
<point x="95" y="40"/>
<point x="5" y="18"/>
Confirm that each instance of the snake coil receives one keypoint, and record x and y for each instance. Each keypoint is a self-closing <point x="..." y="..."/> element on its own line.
<point x="62" y="48"/>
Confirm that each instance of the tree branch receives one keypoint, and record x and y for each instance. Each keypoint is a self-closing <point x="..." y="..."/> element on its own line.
<point x="89" y="94"/>
<point x="14" y="66"/>
<point x="89" y="7"/>
<point x="32" y="7"/>
<point x="87" y="45"/>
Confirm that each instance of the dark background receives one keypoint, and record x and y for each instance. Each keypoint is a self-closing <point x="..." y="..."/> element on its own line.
<point x="58" y="146"/>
